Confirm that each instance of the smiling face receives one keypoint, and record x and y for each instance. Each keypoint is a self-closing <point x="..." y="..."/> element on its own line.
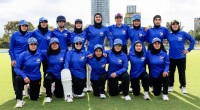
<point x="136" y="22"/>
<point x="61" y="23"/>
<point x="118" y="20"/>
<point x="24" y="27"/>
<point x="156" y="45"/>
<point x="78" y="25"/>
<point x="98" y="19"/>
<point x="44" y="24"/>
<point x="54" y="46"/>
<point x="98" y="52"/>
<point x="118" y="47"/>
<point x="78" y="45"/>
<point x="157" y="21"/>
<point x="175" y="26"/>
<point x="138" y="47"/>
<point x="33" y="46"/>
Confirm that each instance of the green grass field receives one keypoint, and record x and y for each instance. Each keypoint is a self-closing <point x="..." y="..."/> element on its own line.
<point x="178" y="101"/>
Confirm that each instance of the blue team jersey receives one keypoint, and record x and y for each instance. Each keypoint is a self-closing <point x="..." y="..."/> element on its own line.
<point x="18" y="44"/>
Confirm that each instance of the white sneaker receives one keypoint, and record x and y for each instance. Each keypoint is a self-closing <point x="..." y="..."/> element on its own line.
<point x="151" y="89"/>
<point x="48" y="99"/>
<point x="171" y="89"/>
<point x="130" y="90"/>
<point x="79" y="96"/>
<point x="69" y="99"/>
<point x="102" y="96"/>
<point x="165" y="97"/>
<point x="127" y="97"/>
<point x="44" y="89"/>
<point x="146" y="96"/>
<point x="40" y="94"/>
<point x="20" y="103"/>
<point x="183" y="90"/>
<point x="84" y="89"/>
<point x="89" y="89"/>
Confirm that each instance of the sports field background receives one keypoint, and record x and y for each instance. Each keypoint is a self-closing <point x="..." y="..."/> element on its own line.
<point x="178" y="101"/>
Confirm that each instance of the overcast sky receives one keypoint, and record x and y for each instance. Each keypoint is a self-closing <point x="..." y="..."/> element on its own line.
<point x="31" y="10"/>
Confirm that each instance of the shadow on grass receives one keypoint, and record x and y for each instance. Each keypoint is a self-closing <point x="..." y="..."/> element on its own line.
<point x="177" y="101"/>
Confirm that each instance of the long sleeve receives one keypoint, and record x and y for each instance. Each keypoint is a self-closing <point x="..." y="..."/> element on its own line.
<point x="166" y="63"/>
<point x="191" y="39"/>
<point x="87" y="33"/>
<point x="109" y="37"/>
<point x="11" y="48"/>
<point x="125" y="67"/>
<point x="67" y="60"/>
<point x="18" y="66"/>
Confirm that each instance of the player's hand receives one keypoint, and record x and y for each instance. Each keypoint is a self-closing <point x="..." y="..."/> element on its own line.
<point x="13" y="63"/>
<point x="113" y="75"/>
<point x="185" y="52"/>
<point x="26" y="80"/>
<point x="165" y="74"/>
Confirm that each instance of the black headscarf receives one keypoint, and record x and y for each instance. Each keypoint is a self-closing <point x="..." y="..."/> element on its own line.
<point x="141" y="53"/>
<point x="98" y="25"/>
<point x="22" y="32"/>
<point x="175" y="31"/>
<point x="137" y="27"/>
<point x="156" y="16"/>
<point x="155" y="51"/>
<point x="76" y="30"/>
<point x="115" y="52"/>
<point x="99" y="58"/>
<point x="32" y="52"/>
<point x="43" y="30"/>
<point x="50" y="51"/>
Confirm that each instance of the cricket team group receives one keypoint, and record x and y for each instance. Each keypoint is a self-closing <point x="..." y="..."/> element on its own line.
<point x="87" y="66"/>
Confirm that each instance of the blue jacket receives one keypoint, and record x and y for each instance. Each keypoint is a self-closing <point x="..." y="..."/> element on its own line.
<point x="177" y="44"/>
<point x="117" y="63"/>
<point x="98" y="68"/>
<point x="119" y="32"/>
<point x="55" y="62"/>
<point x="18" y="44"/>
<point x="63" y="37"/>
<point x="83" y="36"/>
<point x="138" y="65"/>
<point x="76" y="62"/>
<point x="160" y="32"/>
<point x="96" y="36"/>
<point x="136" y="35"/>
<point x="31" y="65"/>
<point x="43" y="40"/>
<point x="158" y="63"/>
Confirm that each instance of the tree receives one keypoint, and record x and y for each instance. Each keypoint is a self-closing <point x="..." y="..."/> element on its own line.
<point x="69" y="26"/>
<point x="168" y="24"/>
<point x="11" y="27"/>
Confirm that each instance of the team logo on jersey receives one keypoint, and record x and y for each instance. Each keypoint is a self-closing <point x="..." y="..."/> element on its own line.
<point x="180" y="38"/>
<point x="38" y="60"/>
<point x="161" y="58"/>
<point x="48" y="37"/>
<point x="61" y="59"/>
<point x="142" y="58"/>
<point x="101" y="33"/>
<point x="140" y="35"/>
<point x="82" y="57"/>
<point x="65" y="34"/>
<point x="161" y="34"/>
<point x="82" y="39"/>
<point x="103" y="65"/>
<point x="119" y="60"/>
<point x="123" y="32"/>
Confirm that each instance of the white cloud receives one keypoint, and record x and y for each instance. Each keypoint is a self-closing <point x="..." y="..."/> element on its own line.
<point x="32" y="10"/>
